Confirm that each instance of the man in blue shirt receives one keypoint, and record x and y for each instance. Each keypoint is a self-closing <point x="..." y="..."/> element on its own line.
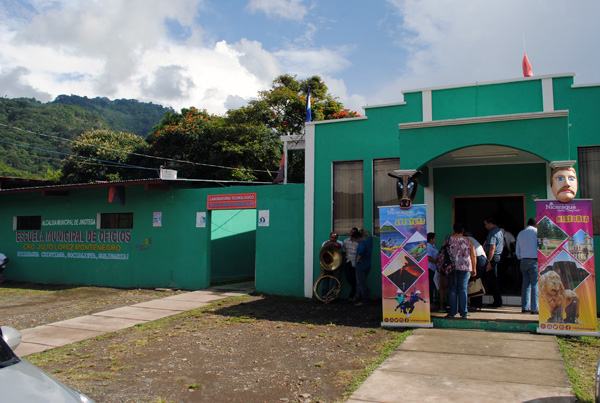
<point x="363" y="265"/>
<point x="493" y="250"/>
<point x="527" y="255"/>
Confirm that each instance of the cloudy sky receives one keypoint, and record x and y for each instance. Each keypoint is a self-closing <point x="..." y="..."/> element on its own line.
<point x="217" y="54"/>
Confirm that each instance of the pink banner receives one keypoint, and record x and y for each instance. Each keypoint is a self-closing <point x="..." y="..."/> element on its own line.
<point x="567" y="278"/>
<point x="404" y="269"/>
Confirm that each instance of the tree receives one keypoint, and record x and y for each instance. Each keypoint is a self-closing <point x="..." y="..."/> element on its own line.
<point x="283" y="110"/>
<point x="103" y="155"/>
<point x="203" y="146"/>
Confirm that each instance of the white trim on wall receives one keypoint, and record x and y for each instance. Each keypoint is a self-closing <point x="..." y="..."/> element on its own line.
<point x="427" y="106"/>
<point x="548" y="94"/>
<point x="309" y="208"/>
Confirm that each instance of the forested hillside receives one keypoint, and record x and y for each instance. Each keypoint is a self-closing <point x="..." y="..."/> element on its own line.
<point x="34" y="136"/>
<point x="122" y="115"/>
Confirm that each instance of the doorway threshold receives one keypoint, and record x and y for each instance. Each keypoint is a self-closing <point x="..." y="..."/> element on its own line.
<point x="246" y="286"/>
<point x="505" y="319"/>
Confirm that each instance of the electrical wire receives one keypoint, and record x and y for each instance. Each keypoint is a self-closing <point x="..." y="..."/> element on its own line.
<point x="132" y="153"/>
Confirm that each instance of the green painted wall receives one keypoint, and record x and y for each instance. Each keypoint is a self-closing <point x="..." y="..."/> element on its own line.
<point x="487" y="100"/>
<point x="280" y="246"/>
<point x="531" y="135"/>
<point x="176" y="254"/>
<point x="378" y="136"/>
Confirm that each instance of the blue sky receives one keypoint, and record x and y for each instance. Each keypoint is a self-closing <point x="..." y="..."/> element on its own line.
<point x="217" y="54"/>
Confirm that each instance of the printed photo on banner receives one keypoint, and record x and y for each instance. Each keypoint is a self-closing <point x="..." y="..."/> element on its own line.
<point x="404" y="268"/>
<point x="567" y="289"/>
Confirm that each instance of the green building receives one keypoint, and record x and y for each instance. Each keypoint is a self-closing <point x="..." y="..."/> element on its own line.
<point x="484" y="150"/>
<point x="163" y="233"/>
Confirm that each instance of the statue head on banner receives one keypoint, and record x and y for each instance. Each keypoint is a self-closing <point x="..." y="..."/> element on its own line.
<point x="406" y="186"/>
<point x="563" y="180"/>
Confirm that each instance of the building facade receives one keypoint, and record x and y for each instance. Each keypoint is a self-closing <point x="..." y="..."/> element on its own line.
<point x="484" y="149"/>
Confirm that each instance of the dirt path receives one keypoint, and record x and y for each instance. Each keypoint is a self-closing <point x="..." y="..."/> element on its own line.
<point x="251" y="349"/>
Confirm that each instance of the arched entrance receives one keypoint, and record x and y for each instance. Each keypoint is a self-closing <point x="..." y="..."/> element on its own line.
<point x="472" y="183"/>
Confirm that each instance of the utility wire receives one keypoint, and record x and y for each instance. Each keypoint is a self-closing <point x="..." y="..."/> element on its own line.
<point x="78" y="156"/>
<point x="130" y="153"/>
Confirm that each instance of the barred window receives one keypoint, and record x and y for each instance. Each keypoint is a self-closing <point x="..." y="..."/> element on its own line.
<point x="116" y="220"/>
<point x="384" y="187"/>
<point x="348" y="196"/>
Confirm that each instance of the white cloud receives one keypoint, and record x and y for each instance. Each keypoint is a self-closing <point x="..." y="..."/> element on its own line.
<point x="456" y="42"/>
<point x="286" y="9"/>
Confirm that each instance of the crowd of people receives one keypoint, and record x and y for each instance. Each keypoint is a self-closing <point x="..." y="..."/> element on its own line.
<point x="357" y="250"/>
<point x="471" y="259"/>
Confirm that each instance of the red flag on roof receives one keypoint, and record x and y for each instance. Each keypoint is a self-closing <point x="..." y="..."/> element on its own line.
<point x="527" y="71"/>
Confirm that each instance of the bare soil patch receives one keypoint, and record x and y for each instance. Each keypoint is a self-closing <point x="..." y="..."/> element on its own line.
<point x="250" y="349"/>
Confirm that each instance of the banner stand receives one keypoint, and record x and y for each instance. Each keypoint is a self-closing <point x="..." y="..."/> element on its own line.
<point x="404" y="267"/>
<point x="566" y="268"/>
<point x="567" y="333"/>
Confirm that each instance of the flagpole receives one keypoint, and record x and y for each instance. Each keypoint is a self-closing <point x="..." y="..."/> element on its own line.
<point x="524" y="50"/>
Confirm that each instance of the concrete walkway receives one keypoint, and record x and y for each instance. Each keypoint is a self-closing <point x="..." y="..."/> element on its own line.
<point x="58" y="334"/>
<point x="448" y="365"/>
<point x="431" y="365"/>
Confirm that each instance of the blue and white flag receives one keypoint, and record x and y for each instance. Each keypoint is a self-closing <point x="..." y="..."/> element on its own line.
<point x="308" y="111"/>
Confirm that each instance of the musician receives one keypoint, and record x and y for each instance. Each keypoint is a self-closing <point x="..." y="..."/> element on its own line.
<point x="327" y="283"/>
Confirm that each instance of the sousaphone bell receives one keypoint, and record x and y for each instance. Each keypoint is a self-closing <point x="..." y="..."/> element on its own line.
<point x="327" y="287"/>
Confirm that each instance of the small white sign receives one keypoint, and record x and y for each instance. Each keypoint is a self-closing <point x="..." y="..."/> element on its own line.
<point x="263" y="218"/>
<point x="200" y="219"/>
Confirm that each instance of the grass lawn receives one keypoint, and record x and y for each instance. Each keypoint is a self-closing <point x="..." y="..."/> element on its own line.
<point x="581" y="359"/>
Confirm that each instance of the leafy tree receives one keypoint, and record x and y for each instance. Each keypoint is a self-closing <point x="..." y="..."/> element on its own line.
<point x="205" y="146"/>
<point x="283" y="110"/>
<point x="102" y="155"/>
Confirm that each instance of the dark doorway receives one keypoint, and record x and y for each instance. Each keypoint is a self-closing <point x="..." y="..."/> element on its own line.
<point x="509" y="213"/>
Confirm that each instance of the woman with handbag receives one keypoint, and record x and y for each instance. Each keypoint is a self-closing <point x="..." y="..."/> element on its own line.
<point x="476" y="301"/>
<point x="462" y="252"/>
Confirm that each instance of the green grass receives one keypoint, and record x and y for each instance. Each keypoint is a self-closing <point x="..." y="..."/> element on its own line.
<point x="581" y="359"/>
<point x="357" y="379"/>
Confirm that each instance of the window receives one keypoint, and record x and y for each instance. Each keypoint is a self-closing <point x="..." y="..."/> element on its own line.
<point x="28" y="223"/>
<point x="116" y="220"/>
<point x="348" y="191"/>
<point x="589" y="180"/>
<point x="384" y="187"/>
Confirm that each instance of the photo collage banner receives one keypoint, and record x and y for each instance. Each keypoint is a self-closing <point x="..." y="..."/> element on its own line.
<point x="404" y="268"/>
<point x="567" y="287"/>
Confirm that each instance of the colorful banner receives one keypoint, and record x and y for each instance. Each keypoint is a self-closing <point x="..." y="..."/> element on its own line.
<point x="567" y="278"/>
<point x="404" y="268"/>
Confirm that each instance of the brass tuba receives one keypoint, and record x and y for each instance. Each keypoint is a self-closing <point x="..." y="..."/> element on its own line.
<point x="330" y="257"/>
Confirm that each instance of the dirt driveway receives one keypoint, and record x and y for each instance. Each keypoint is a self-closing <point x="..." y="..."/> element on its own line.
<point x="249" y="349"/>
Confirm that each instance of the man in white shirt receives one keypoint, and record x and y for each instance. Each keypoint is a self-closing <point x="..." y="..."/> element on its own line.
<point x="527" y="255"/>
<point x="349" y="247"/>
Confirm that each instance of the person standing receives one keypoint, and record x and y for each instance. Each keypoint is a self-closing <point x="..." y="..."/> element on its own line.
<point x="527" y="255"/>
<point x="462" y="252"/>
<point x="337" y="273"/>
<point x="3" y="261"/>
<point x="477" y="302"/>
<point x="493" y="249"/>
<point x="363" y="266"/>
<point x="349" y="249"/>
<point x="432" y="253"/>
